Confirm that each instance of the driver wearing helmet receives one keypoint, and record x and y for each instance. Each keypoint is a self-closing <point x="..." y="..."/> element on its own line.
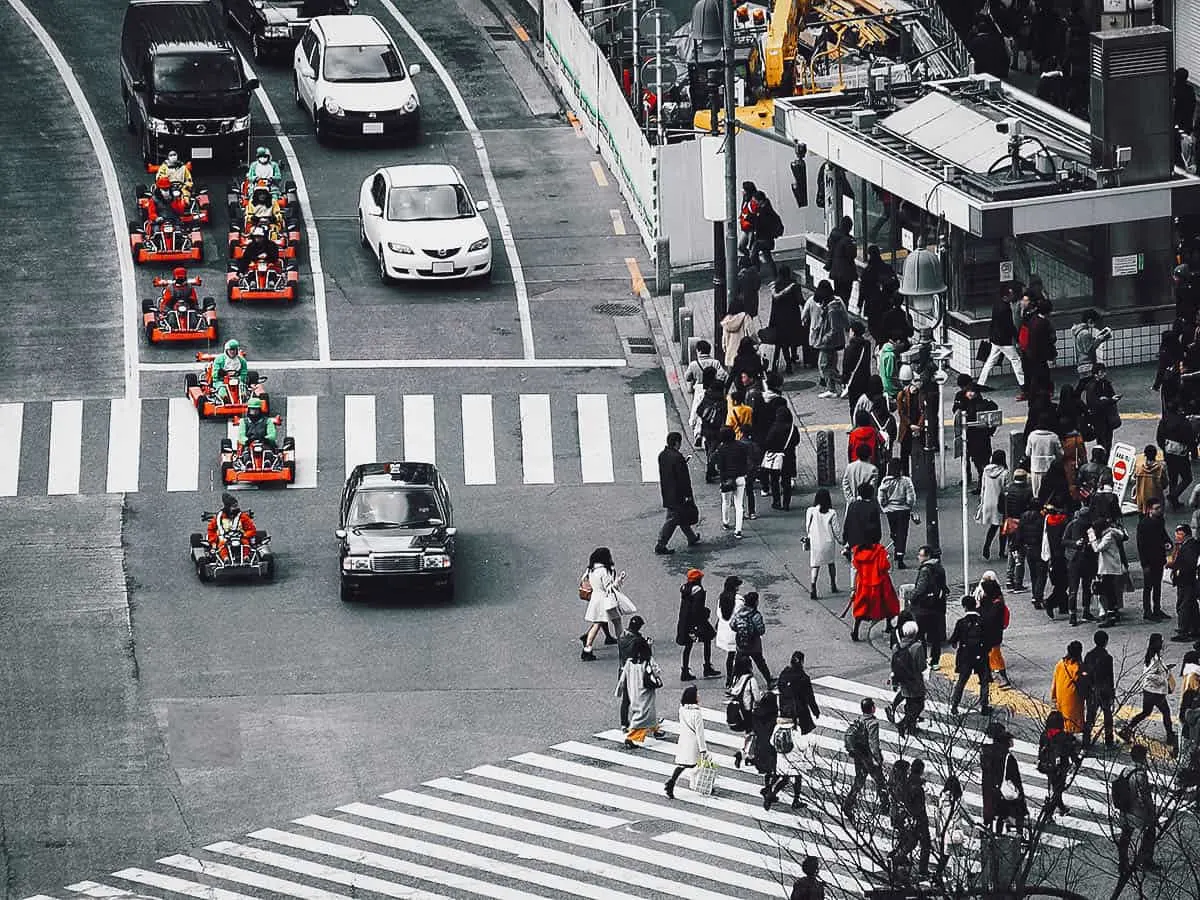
<point x="230" y="520"/>
<point x="264" y="168"/>
<point x="258" y="247"/>
<point x="256" y="426"/>
<point x="231" y="361"/>
<point x="179" y="173"/>
<point x="179" y="294"/>
<point x="263" y="207"/>
<point x="166" y="202"/>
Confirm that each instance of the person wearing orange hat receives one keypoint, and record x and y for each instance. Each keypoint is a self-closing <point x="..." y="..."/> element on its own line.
<point x="694" y="625"/>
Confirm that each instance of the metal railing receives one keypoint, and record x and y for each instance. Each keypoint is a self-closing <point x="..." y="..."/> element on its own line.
<point x="942" y="31"/>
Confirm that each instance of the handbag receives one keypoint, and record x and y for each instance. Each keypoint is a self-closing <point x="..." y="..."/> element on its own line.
<point x="1008" y="788"/>
<point x="689" y="513"/>
<point x="1010" y="526"/>
<point x="768" y="335"/>
<point x="772" y="461"/>
<point x="728" y="485"/>
<point x="624" y="605"/>
<point x="585" y="588"/>
<point x="651" y="679"/>
<point x="983" y="351"/>
<point x="703" y="777"/>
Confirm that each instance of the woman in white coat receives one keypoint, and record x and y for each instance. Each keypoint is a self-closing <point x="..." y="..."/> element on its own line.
<point x="603" y="605"/>
<point x="691" y="746"/>
<point x="728" y="604"/>
<point x="639" y="681"/>
<point x="822" y="536"/>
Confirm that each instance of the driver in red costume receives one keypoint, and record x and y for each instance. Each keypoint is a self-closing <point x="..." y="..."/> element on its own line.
<point x="179" y="295"/>
<point x="229" y="520"/>
<point x="166" y="202"/>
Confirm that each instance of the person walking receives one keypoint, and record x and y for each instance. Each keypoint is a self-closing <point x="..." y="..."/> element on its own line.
<point x="928" y="602"/>
<point x="712" y="412"/>
<point x="971" y="656"/>
<point x="1016" y="499"/>
<point x="1002" y="788"/>
<point x="779" y="439"/>
<point x="603" y="607"/>
<point x="675" y="484"/>
<point x="639" y="682"/>
<point x="1156" y="685"/>
<point x="1058" y="754"/>
<point x="1101" y="690"/>
<point x="1042" y="447"/>
<point x="749" y="628"/>
<point x="822" y="536"/>
<point x="785" y="319"/>
<point x="993" y="612"/>
<point x="875" y="288"/>
<point x="1184" y="567"/>
<point x="733" y="467"/>
<point x="1053" y="569"/>
<point x="693" y="377"/>
<point x="917" y="835"/>
<point x="861" y="470"/>
<point x="1107" y="538"/>
<point x="1138" y="813"/>
<point x="970" y="401"/>
<point x="909" y="413"/>
<point x="764" y="756"/>
<point x="1067" y="688"/>
<point x="1100" y="405"/>
<point x="856" y="365"/>
<point x="798" y="711"/>
<point x="843" y="256"/>
<point x="874" y="597"/>
<point x="1149" y="479"/>
<point x="693" y="625"/>
<point x="691" y="746"/>
<point x="1081" y="563"/>
<point x="808" y="886"/>
<point x="737" y="325"/>
<point x="897" y="496"/>
<point x="625" y="643"/>
<point x="1153" y="545"/>
<point x="863" y="526"/>
<point x="728" y="604"/>
<point x="862" y="743"/>
<point x="908" y="675"/>
<point x="1178" y="440"/>
<point x="1002" y="334"/>
<point x="1089" y="338"/>
<point x="993" y="483"/>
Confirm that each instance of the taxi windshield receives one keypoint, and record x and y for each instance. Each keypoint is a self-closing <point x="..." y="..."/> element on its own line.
<point x="388" y="508"/>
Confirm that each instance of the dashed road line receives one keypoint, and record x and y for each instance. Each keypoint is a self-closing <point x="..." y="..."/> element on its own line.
<point x="618" y="221"/>
<point x="598" y="174"/>
<point x="318" y="365"/>
<point x="635" y="275"/>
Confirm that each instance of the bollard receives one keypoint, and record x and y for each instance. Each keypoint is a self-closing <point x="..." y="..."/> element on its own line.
<point x="662" y="266"/>
<point x="1016" y="449"/>
<point x="826" y="459"/>
<point x="684" y="321"/>
<point x="689" y="351"/>
<point x="678" y="299"/>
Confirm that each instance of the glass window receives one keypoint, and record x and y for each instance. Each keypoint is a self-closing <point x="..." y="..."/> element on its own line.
<point x="1063" y="260"/>
<point x="176" y="73"/>
<point x="382" y="508"/>
<point x="429" y="202"/>
<point x="367" y="63"/>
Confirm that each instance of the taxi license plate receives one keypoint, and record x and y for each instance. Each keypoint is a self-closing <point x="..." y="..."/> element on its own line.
<point x="443" y="267"/>
<point x="202" y="153"/>
<point x="372" y="128"/>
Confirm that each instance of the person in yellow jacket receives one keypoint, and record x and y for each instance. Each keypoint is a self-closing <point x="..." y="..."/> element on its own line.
<point x="179" y="173"/>
<point x="1065" y="691"/>
<point x="263" y="206"/>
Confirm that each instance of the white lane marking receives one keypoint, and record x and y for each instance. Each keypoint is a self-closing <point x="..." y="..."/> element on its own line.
<point x="183" y="445"/>
<point x="124" y="443"/>
<point x="595" y="438"/>
<point x="179" y="885"/>
<point x="537" y="441"/>
<point x="598" y="174"/>
<point x="245" y="876"/>
<point x="607" y="869"/>
<point x="360" y="430"/>
<point x="479" y="444"/>
<point x="572" y="814"/>
<point x="12" y="417"/>
<point x="93" y="889"/>
<point x="651" y="412"/>
<point x="66" y="447"/>
<point x="340" y="364"/>
<point x="419" y="438"/>
<point x="310" y="227"/>
<point x="618" y="221"/>
<point x="112" y="190"/>
<point x="489" y="178"/>
<point x="301" y="425"/>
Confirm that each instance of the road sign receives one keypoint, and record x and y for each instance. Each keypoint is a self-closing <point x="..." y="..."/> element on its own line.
<point x="660" y="74"/>
<point x="1122" y="460"/>
<point x="657" y="23"/>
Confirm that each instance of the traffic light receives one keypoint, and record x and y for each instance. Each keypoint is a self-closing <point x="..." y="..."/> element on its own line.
<point x="800" y="176"/>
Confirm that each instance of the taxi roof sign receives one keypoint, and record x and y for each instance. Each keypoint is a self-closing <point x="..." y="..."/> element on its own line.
<point x="400" y="470"/>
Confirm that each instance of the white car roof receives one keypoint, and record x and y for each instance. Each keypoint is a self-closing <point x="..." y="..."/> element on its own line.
<point x="343" y="31"/>
<point x="415" y="175"/>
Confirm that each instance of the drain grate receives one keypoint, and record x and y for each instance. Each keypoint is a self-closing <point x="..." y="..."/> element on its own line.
<point x="617" y="309"/>
<point x="499" y="33"/>
<point x="640" y="345"/>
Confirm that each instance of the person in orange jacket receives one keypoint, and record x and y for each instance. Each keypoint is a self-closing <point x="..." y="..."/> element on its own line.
<point x="166" y="202"/>
<point x="229" y="520"/>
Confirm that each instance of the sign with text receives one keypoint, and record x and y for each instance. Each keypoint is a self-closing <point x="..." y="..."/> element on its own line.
<point x="1122" y="460"/>
<point x="1129" y="264"/>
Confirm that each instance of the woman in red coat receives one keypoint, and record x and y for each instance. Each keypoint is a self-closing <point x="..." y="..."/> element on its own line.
<point x="874" y="596"/>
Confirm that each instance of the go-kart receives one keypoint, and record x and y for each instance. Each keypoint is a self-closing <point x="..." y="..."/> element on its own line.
<point x="234" y="556"/>
<point x="165" y="240"/>
<point x="258" y="462"/>
<point x="168" y="320"/>
<point x="239" y="194"/>
<point x="286" y="240"/>
<point x="196" y="212"/>
<point x="263" y="280"/>
<point x="209" y="401"/>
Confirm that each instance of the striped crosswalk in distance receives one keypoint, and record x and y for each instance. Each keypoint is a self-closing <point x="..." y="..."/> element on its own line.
<point x="67" y="447"/>
<point x="589" y="818"/>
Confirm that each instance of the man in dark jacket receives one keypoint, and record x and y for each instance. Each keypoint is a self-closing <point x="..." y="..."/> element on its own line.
<point x="675" y="483"/>
<point x="1040" y="349"/>
<point x="1183" y="576"/>
<point x="856" y="365"/>
<point x="970" y="401"/>
<point x="1101" y="689"/>
<point x="862" y="527"/>
<point x="1099" y="399"/>
<point x="867" y="758"/>
<point x="1029" y="538"/>
<point x="1178" y="441"/>
<point x="749" y="281"/>
<point x="1081" y="562"/>
<point x="693" y="625"/>
<point x="1153" y="544"/>
<point x="843" y="256"/>
<point x="1002" y="334"/>
<point x="797" y="709"/>
<point x="928" y="602"/>
<point x="971" y="656"/>
<point x="1015" y="499"/>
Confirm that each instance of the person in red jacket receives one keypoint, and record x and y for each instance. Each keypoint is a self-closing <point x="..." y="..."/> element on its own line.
<point x="166" y="202"/>
<point x="229" y="520"/>
<point x="179" y="293"/>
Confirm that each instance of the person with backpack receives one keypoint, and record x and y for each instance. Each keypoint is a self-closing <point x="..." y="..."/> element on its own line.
<point x="1015" y="499"/>
<point x="897" y="496"/>
<point x="971" y="657"/>
<point x="765" y="757"/>
<point x="928" y="602"/>
<point x="744" y="698"/>
<point x="728" y="603"/>
<point x="908" y="677"/>
<point x="993" y="612"/>
<point x="768" y="228"/>
<point x="1100" y="689"/>
<point x="1081" y="563"/>
<point x="1058" y="752"/>
<point x="1134" y="801"/>
<point x="711" y="413"/>
<point x="733" y="468"/>
<point x="916" y="834"/>
<point x="1157" y="682"/>
<point x="808" y="886"/>
<point x="798" y="711"/>
<point x="861" y="741"/>
<point x="856" y="366"/>
<point x="748" y="627"/>
<point x="693" y="377"/>
<point x="693" y="625"/>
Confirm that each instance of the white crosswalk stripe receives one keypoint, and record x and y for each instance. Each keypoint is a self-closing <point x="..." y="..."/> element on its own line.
<point x="616" y="439"/>
<point x="586" y="818"/>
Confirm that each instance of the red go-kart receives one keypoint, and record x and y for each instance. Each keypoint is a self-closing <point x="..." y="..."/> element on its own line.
<point x="263" y="280"/>
<point x="196" y="211"/>
<point x="235" y="555"/>
<point x="258" y="462"/>
<point x="211" y="400"/>
<point x="175" y="320"/>
<point x="286" y="240"/>
<point x="165" y="241"/>
<point x="239" y="194"/>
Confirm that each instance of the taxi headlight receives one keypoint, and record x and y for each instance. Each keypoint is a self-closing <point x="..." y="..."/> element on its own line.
<point x="435" y="561"/>
<point x="356" y="564"/>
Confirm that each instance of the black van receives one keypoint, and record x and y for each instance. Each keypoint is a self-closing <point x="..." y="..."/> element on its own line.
<point x="184" y="85"/>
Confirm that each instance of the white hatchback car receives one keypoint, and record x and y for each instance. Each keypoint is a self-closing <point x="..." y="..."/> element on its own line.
<point x="421" y="223"/>
<point x="349" y="76"/>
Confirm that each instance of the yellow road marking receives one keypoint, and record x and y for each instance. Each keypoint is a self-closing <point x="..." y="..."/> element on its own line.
<point x="598" y="172"/>
<point x="635" y="273"/>
<point x="518" y="29"/>
<point x="574" y="120"/>
<point x="618" y="221"/>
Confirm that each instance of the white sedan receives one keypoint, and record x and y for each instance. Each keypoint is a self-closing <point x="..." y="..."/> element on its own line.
<point x="420" y="223"/>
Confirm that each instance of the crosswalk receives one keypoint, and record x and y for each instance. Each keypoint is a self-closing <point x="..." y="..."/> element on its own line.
<point x="67" y="447"/>
<point x="588" y="818"/>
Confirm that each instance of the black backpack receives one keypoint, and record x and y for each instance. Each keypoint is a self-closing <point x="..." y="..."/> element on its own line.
<point x="973" y="637"/>
<point x="1047" y="758"/>
<point x="857" y="742"/>
<point x="904" y="667"/>
<point x="769" y="223"/>
<point x="712" y="412"/>
<point x="1122" y="791"/>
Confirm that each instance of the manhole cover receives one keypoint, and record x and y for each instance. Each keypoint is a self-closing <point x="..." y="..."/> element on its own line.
<point x="499" y="33"/>
<point x="617" y="309"/>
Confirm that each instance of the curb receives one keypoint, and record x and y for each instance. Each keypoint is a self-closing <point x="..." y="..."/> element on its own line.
<point x="670" y="363"/>
<point x="508" y="17"/>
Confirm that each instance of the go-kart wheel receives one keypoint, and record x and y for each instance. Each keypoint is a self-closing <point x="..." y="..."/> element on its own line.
<point x="252" y="376"/>
<point x="269" y="570"/>
<point x="290" y="468"/>
<point x="147" y="306"/>
<point x="149" y="332"/>
<point x="199" y="248"/>
<point x="196" y="540"/>
<point x="139" y="192"/>
<point x="190" y="380"/>
<point x="226" y="446"/>
<point x="226" y="471"/>
<point x="289" y="443"/>
<point x="203" y="573"/>
<point x="209" y="303"/>
<point x="229" y="291"/>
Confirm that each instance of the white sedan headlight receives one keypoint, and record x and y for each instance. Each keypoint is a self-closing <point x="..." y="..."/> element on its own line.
<point x="356" y="564"/>
<point x="333" y="107"/>
<point x="481" y="244"/>
<point x="400" y="248"/>
<point x="410" y="104"/>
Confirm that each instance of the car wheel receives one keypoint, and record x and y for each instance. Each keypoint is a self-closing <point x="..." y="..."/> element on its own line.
<point x="296" y="91"/>
<point x="347" y="592"/>
<point x="384" y="277"/>
<point x="318" y="128"/>
<point x="362" y="232"/>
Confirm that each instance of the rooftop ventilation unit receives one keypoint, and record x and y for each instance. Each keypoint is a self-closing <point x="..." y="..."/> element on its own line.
<point x="1131" y="83"/>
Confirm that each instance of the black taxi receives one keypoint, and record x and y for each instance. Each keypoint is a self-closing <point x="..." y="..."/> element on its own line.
<point x="396" y="530"/>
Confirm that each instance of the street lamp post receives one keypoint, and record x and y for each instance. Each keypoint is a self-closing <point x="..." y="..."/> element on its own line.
<point x="720" y="276"/>
<point x="731" y="191"/>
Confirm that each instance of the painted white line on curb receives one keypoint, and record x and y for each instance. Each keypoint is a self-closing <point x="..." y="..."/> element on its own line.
<point x="489" y="178"/>
<point x="112" y="190"/>
<point x="310" y="227"/>
<point x="316" y="365"/>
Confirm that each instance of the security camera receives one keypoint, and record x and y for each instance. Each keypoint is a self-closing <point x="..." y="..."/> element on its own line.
<point x="1010" y="126"/>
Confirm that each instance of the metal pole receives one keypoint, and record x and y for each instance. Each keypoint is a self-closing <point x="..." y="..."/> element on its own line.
<point x="658" y="88"/>
<point x="731" y="191"/>
<point x="966" y="543"/>
<point x="720" y="287"/>
<point x="638" y="106"/>
<point x="929" y="405"/>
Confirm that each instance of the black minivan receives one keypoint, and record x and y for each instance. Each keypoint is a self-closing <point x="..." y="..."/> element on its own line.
<point x="183" y="83"/>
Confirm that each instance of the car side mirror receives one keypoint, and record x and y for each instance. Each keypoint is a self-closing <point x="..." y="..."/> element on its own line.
<point x="434" y="522"/>
<point x="414" y="69"/>
<point x="138" y="84"/>
<point x="340" y="534"/>
<point x="260" y="4"/>
<point x="252" y="84"/>
<point x="483" y="206"/>
<point x="376" y="211"/>
<point x="451" y="531"/>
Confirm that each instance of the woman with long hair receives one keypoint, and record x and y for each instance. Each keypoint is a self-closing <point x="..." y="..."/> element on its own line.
<point x="603" y="605"/>
<point x="639" y="681"/>
<point x="1156" y="685"/>
<point x="728" y="604"/>
<point x="691" y="746"/>
<point x="821" y="535"/>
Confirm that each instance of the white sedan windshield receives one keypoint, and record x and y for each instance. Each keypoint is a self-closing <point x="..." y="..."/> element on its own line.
<point x="429" y="202"/>
<point x="371" y="62"/>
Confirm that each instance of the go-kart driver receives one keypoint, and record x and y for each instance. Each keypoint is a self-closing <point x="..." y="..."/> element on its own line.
<point x="179" y="295"/>
<point x="166" y="203"/>
<point x="179" y="174"/>
<point x="256" y="426"/>
<point x="231" y="361"/>
<point x="230" y="520"/>
<point x="263" y="207"/>
<point x="259" y="246"/>
<point x="265" y="168"/>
